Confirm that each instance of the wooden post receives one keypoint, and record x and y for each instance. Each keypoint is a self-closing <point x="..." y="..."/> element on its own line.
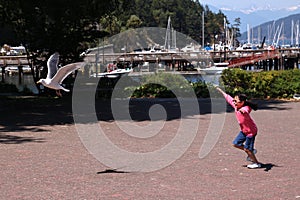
<point x="20" y="70"/>
<point x="3" y="73"/>
<point x="296" y="65"/>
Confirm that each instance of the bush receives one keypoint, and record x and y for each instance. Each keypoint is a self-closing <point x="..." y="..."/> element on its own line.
<point x="201" y="89"/>
<point x="265" y="84"/>
<point x="162" y="85"/>
<point x="8" y="88"/>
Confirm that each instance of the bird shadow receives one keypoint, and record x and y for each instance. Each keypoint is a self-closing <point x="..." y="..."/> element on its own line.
<point x="111" y="171"/>
<point x="268" y="166"/>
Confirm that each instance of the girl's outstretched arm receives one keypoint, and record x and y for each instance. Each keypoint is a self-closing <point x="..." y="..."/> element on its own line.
<point x="227" y="97"/>
<point x="220" y="90"/>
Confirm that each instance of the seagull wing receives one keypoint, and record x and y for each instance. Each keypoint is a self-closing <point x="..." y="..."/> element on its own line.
<point x="52" y="65"/>
<point x="64" y="71"/>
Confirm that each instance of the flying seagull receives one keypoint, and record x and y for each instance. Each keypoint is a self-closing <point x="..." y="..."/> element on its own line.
<point x="56" y="76"/>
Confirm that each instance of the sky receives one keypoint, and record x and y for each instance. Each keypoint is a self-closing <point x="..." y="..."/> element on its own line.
<point x="253" y="12"/>
<point x="249" y="5"/>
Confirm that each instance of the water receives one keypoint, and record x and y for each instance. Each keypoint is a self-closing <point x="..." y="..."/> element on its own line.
<point x="207" y="78"/>
<point x="26" y="81"/>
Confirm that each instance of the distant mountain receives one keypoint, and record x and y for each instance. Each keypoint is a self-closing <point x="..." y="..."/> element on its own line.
<point x="254" y="16"/>
<point x="264" y="22"/>
<point x="279" y="31"/>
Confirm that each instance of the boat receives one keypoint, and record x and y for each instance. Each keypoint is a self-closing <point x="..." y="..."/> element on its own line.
<point x="8" y="50"/>
<point x="15" y="69"/>
<point x="296" y="96"/>
<point x="113" y="74"/>
<point x="217" y="68"/>
<point x="212" y="70"/>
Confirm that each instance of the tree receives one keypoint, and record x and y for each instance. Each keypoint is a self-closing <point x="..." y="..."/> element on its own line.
<point x="133" y="22"/>
<point x="47" y="26"/>
<point x="236" y="30"/>
<point x="111" y="24"/>
<point x="54" y="25"/>
<point x="72" y="26"/>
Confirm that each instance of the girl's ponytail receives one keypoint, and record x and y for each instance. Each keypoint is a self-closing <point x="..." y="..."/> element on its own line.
<point x="243" y="97"/>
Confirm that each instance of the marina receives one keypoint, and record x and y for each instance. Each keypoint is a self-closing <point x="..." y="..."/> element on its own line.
<point x="201" y="62"/>
<point x="131" y="99"/>
<point x="193" y="65"/>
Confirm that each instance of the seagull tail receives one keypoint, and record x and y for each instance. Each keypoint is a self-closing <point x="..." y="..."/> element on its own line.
<point x="64" y="89"/>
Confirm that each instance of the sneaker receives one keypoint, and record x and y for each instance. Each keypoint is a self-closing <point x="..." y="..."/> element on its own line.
<point x="254" y="166"/>
<point x="248" y="158"/>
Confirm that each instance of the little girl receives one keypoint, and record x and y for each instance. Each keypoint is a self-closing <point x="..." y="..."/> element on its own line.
<point x="246" y="137"/>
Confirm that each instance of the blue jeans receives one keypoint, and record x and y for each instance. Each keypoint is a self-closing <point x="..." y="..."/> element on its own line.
<point x="241" y="138"/>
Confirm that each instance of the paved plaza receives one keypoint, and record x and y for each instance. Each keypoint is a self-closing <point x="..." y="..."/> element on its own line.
<point x="42" y="156"/>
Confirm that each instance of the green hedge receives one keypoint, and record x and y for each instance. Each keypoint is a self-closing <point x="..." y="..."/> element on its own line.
<point x="164" y="85"/>
<point x="265" y="84"/>
<point x="161" y="85"/>
<point x="8" y="88"/>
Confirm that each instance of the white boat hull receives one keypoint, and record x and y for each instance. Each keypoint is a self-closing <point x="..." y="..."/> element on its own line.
<point x="113" y="74"/>
<point x="212" y="70"/>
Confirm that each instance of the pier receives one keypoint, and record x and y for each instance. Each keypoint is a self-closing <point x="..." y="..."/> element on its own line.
<point x="186" y="62"/>
<point x="265" y="59"/>
<point x="179" y="62"/>
<point x="13" y="61"/>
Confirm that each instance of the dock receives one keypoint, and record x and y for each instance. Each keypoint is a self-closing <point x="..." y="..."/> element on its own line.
<point x="265" y="59"/>
<point x="178" y="62"/>
<point x="18" y="62"/>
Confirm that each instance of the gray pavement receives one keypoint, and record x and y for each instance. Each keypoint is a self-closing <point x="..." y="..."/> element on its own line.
<point x="42" y="157"/>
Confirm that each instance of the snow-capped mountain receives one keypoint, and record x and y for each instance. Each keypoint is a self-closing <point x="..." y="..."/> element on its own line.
<point x="255" y="15"/>
<point x="283" y="31"/>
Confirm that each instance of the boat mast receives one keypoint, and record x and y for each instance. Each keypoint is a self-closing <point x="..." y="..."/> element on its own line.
<point x="248" y="33"/>
<point x="168" y="35"/>
<point x="292" y="33"/>
<point x="202" y="29"/>
<point x="173" y="38"/>
<point x="297" y="33"/>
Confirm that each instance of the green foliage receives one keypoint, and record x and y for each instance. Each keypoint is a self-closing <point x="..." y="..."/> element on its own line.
<point x="265" y="84"/>
<point x="186" y="17"/>
<point x="54" y="25"/>
<point x="133" y="22"/>
<point x="26" y="91"/>
<point x="8" y="88"/>
<point x="201" y="89"/>
<point x="152" y="91"/>
<point x="166" y="85"/>
<point x="162" y="85"/>
<point x="71" y="26"/>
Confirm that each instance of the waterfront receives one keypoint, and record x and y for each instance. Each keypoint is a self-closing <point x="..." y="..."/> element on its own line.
<point x="26" y="81"/>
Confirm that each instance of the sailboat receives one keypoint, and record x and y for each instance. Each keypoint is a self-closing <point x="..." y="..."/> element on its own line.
<point x="170" y="39"/>
<point x="112" y="71"/>
<point x="217" y="68"/>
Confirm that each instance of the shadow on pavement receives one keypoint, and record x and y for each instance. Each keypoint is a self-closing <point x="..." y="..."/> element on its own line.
<point x="267" y="167"/>
<point x="29" y="114"/>
<point x="12" y="139"/>
<point x="111" y="171"/>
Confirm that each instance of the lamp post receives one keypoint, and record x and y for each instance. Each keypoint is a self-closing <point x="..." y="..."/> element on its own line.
<point x="215" y="39"/>
<point x="100" y="34"/>
<point x="97" y="54"/>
